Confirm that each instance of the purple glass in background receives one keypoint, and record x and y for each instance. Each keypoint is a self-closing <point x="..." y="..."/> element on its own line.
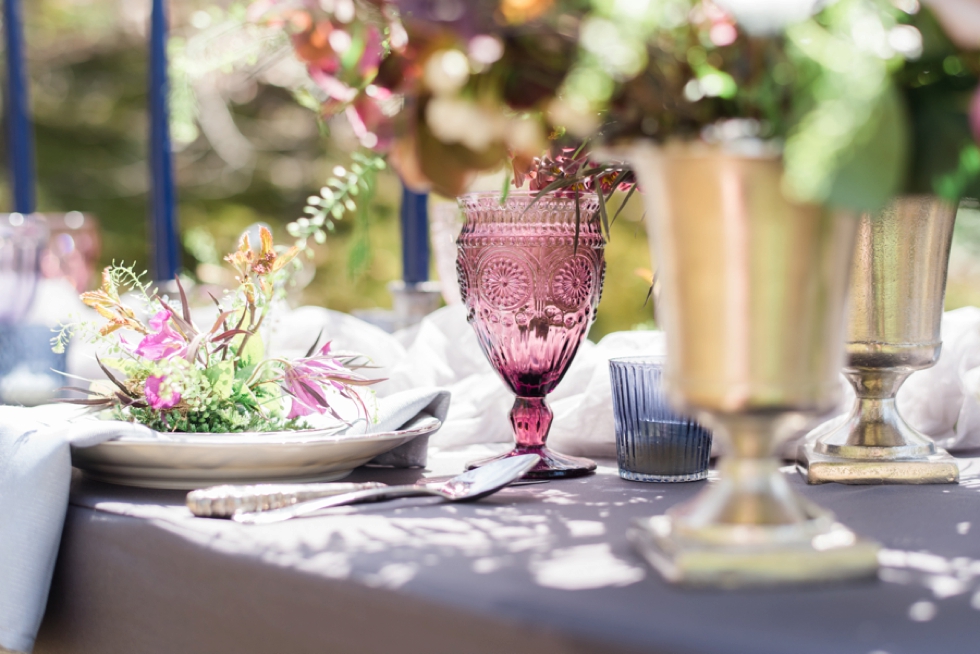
<point x="531" y="295"/>
<point x="22" y="240"/>
<point x="652" y="442"/>
<point x="73" y="249"/>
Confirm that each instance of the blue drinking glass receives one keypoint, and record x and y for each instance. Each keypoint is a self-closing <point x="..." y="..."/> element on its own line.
<point x="653" y="443"/>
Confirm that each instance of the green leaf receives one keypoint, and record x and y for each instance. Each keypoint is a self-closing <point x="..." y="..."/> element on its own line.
<point x="629" y="194"/>
<point x="244" y="372"/>
<point x="873" y="170"/>
<point x="222" y="377"/>
<point x="253" y="352"/>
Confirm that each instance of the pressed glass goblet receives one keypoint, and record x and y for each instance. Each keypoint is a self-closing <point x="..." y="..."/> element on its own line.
<point x="530" y="275"/>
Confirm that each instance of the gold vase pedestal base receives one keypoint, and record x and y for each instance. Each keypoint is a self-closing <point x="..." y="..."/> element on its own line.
<point x="771" y="556"/>
<point x="819" y="468"/>
<point x="750" y="528"/>
<point x="873" y="444"/>
<point x="898" y="282"/>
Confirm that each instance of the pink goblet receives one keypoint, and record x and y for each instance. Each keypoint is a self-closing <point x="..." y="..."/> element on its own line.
<point x="531" y="281"/>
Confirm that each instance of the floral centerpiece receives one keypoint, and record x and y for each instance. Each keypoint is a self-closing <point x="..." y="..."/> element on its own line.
<point x="861" y="99"/>
<point x="166" y="372"/>
<point x="443" y="94"/>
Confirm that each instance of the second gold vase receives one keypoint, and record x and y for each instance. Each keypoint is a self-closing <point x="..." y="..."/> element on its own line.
<point x="898" y="284"/>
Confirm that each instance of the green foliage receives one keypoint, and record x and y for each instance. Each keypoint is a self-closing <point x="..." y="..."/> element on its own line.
<point x="824" y="88"/>
<point x="850" y="145"/>
<point x="937" y="88"/>
<point x="230" y="418"/>
<point x="346" y="192"/>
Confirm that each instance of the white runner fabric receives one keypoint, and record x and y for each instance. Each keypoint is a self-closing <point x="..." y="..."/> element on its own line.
<point x="443" y="351"/>
<point x="942" y="401"/>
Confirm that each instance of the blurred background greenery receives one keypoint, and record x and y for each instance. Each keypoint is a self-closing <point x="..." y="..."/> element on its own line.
<point x="247" y="151"/>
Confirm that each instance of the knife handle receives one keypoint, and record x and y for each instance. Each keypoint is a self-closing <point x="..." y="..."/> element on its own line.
<point x="223" y="501"/>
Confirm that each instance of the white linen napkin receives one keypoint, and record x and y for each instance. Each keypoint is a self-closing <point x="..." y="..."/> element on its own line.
<point x="35" y="473"/>
<point x="943" y="402"/>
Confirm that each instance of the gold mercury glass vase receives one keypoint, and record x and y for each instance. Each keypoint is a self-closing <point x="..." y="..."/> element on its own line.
<point x="752" y="302"/>
<point x="898" y="285"/>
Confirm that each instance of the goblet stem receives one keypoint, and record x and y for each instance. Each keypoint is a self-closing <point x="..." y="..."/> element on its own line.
<point x="750" y="526"/>
<point x="531" y="418"/>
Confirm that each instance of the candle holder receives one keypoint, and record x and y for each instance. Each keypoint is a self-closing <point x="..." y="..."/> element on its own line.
<point x="410" y="303"/>
<point x="23" y="239"/>
<point x="653" y="443"/>
<point x="897" y="288"/>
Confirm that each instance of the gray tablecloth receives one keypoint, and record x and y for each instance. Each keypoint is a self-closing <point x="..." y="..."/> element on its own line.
<point x="540" y="568"/>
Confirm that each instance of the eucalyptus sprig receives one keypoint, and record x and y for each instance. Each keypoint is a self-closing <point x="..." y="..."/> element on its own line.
<point x="337" y="198"/>
<point x="349" y="190"/>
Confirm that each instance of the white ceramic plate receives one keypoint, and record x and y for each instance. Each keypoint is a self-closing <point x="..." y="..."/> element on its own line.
<point x="188" y="461"/>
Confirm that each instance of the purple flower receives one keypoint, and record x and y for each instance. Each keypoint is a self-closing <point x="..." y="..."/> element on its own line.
<point x="304" y="380"/>
<point x="301" y="389"/>
<point x="162" y="342"/>
<point x="151" y="389"/>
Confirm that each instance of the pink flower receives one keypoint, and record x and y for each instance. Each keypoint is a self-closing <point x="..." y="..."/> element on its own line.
<point x="303" y="401"/>
<point x="333" y="87"/>
<point x="372" y="127"/>
<point x="162" y="342"/>
<point x="373" y="53"/>
<point x="306" y="378"/>
<point x="151" y="389"/>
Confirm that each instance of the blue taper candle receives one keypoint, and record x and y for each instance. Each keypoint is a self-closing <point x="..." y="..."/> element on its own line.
<point x="20" y="131"/>
<point x="415" y="236"/>
<point x="165" y="239"/>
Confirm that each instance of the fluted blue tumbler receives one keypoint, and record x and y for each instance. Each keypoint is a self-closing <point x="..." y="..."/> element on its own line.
<point x="653" y="443"/>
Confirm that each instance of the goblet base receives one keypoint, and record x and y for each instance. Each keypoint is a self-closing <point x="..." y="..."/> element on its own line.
<point x="551" y="466"/>
<point x="818" y="550"/>
<point x="820" y="468"/>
